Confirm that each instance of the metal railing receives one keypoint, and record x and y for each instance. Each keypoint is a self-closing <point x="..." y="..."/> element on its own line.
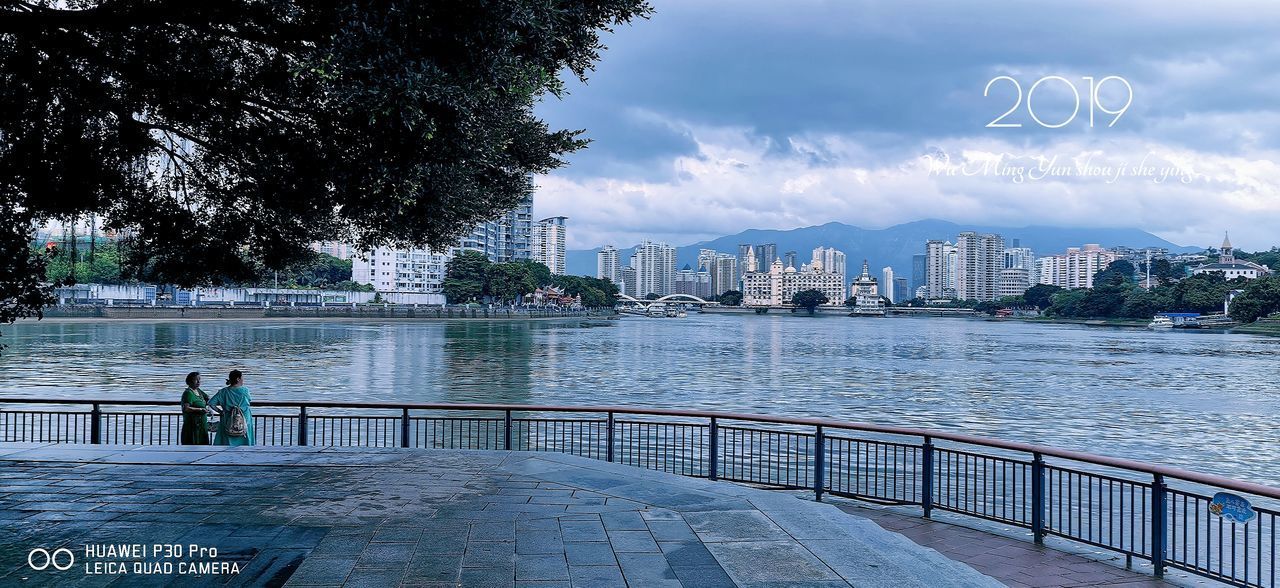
<point x="1145" y="511"/>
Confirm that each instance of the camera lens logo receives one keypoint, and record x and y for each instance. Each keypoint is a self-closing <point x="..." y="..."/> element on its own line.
<point x="40" y="559"/>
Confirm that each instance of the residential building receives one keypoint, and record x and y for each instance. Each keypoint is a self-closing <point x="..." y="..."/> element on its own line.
<point x="979" y="259"/>
<point x="608" y="266"/>
<point x="830" y="259"/>
<point x="789" y="259"/>
<point x="1076" y="267"/>
<point x="1230" y="267"/>
<point x="747" y="259"/>
<point x="506" y="238"/>
<point x="766" y="253"/>
<point x="1013" y="281"/>
<point x="693" y="282"/>
<point x="779" y="285"/>
<point x="629" y="285"/>
<point x="548" y="243"/>
<point x="334" y="248"/>
<point x="388" y="270"/>
<point x="940" y="269"/>
<point x="723" y="269"/>
<point x="655" y="265"/>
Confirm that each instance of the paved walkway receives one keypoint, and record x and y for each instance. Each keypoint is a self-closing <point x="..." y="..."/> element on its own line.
<point x="379" y="517"/>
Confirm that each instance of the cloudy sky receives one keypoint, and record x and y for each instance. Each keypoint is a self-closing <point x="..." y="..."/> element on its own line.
<point x="716" y="116"/>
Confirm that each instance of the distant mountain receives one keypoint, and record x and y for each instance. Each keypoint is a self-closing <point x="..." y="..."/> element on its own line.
<point x="892" y="246"/>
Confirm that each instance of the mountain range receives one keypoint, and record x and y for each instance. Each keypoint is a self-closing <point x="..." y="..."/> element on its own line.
<point x="892" y="246"/>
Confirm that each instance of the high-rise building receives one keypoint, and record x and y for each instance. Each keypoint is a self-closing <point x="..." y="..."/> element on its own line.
<point x="629" y="286"/>
<point x="830" y="259"/>
<point x="548" y="243"/>
<point x="506" y="238"/>
<point x="766" y="254"/>
<point x="608" y="266"/>
<point x="919" y="268"/>
<point x="746" y="259"/>
<point x="1076" y="267"/>
<point x="655" y="265"/>
<point x="889" y="290"/>
<point x="722" y="268"/>
<point x="940" y="269"/>
<point x="1013" y="281"/>
<point x="979" y="259"/>
<point x="789" y="259"/>
<point x="693" y="282"/>
<point x="901" y="290"/>
<point x="334" y="248"/>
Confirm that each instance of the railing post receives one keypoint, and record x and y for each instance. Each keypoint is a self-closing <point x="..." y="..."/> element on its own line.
<point x="404" y="428"/>
<point x="926" y="476"/>
<point x="608" y="437"/>
<point x="819" y="463"/>
<point x="302" y="425"/>
<point x="1159" y="524"/>
<point x="95" y="424"/>
<point x="506" y="431"/>
<point x="1037" y="497"/>
<point x="715" y="449"/>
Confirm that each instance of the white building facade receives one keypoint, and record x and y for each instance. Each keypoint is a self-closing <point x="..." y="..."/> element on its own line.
<point x="979" y="259"/>
<point x="779" y="285"/>
<point x="549" y="243"/>
<point x="1076" y="267"/>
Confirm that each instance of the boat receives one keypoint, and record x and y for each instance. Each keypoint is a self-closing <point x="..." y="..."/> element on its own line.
<point x="1160" y="322"/>
<point x="671" y="312"/>
<point x="657" y="310"/>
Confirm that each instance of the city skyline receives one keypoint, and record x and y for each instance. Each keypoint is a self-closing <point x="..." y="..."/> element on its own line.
<point x="809" y="133"/>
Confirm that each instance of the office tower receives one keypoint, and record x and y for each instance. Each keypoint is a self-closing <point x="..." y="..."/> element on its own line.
<point x="766" y="254"/>
<point x="789" y="259"/>
<point x="746" y="259"/>
<point x="608" y="266"/>
<point x="979" y="259"/>
<point x="548" y="243"/>
<point x="831" y="260"/>
<point x="901" y="290"/>
<point x="919" y="267"/>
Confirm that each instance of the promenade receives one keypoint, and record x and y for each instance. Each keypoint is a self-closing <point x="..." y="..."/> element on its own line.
<point x="379" y="517"/>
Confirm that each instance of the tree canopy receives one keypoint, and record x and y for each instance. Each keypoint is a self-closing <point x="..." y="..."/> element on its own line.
<point x="809" y="299"/>
<point x="222" y="137"/>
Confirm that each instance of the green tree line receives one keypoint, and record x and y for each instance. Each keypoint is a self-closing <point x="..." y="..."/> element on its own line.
<point x="471" y="277"/>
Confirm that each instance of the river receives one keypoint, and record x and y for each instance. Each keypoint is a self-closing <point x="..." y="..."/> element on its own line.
<point x="1199" y="400"/>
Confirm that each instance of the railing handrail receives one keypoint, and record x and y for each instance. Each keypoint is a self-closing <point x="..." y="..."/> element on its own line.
<point x="1079" y="456"/>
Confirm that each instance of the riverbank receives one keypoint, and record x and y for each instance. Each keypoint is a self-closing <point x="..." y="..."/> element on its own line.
<point x="1265" y="326"/>
<point x="312" y="312"/>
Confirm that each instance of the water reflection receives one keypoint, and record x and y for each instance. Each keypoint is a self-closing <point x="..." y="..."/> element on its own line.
<point x="1199" y="400"/>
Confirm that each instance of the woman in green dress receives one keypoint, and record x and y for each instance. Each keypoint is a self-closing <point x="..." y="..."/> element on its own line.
<point x="195" y="417"/>
<point x="235" y="425"/>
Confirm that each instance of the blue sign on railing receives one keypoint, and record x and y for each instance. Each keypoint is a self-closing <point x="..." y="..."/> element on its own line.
<point x="1232" y="507"/>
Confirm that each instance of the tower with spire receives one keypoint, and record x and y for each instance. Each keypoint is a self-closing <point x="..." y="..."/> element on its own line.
<point x="1227" y="254"/>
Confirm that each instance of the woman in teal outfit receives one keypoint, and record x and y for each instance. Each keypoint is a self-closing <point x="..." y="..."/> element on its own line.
<point x="229" y="400"/>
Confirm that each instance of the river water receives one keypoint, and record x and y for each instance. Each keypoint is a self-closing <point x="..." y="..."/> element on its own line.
<point x="1199" y="400"/>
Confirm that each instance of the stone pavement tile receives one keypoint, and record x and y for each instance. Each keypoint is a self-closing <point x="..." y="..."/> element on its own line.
<point x="633" y="542"/>
<point x="660" y="514"/>
<point x="322" y="571"/>
<point x="596" y="577"/>
<point x="688" y="554"/>
<point x="385" y="555"/>
<point x="542" y="567"/>
<point x="501" y="577"/>
<point x="300" y="537"/>
<point x="338" y="545"/>
<point x="541" y="524"/>
<point x="676" y="530"/>
<point x="542" y="584"/>
<point x="374" y="577"/>
<point x="647" y="569"/>
<point x="761" y="562"/>
<point x="271" y="567"/>
<point x="493" y="531"/>
<point x="443" y="540"/>
<point x="533" y="542"/>
<point x="623" y="521"/>
<point x="392" y="534"/>
<point x="589" y="530"/>
<point x="590" y="554"/>
<point x="433" y="568"/>
<point x="489" y="554"/>
<point x="703" y="577"/>
<point x="734" y="525"/>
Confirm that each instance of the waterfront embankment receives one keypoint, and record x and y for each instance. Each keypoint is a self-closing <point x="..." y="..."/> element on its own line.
<point x="389" y="311"/>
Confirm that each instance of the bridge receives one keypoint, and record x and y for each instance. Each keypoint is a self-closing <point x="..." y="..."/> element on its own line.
<point x="678" y="298"/>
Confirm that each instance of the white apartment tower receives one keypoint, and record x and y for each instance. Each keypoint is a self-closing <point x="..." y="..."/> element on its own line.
<point x="1076" y="267"/>
<point x="655" y="265"/>
<point x="940" y="269"/>
<point x="548" y="243"/>
<point x="830" y="259"/>
<point x="979" y="259"/>
<point x="608" y="267"/>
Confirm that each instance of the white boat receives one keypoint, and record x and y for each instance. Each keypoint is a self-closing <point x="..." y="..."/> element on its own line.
<point x="658" y="310"/>
<point x="1160" y="322"/>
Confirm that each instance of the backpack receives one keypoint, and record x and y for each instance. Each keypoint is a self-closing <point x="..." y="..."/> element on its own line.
<point x="233" y="422"/>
